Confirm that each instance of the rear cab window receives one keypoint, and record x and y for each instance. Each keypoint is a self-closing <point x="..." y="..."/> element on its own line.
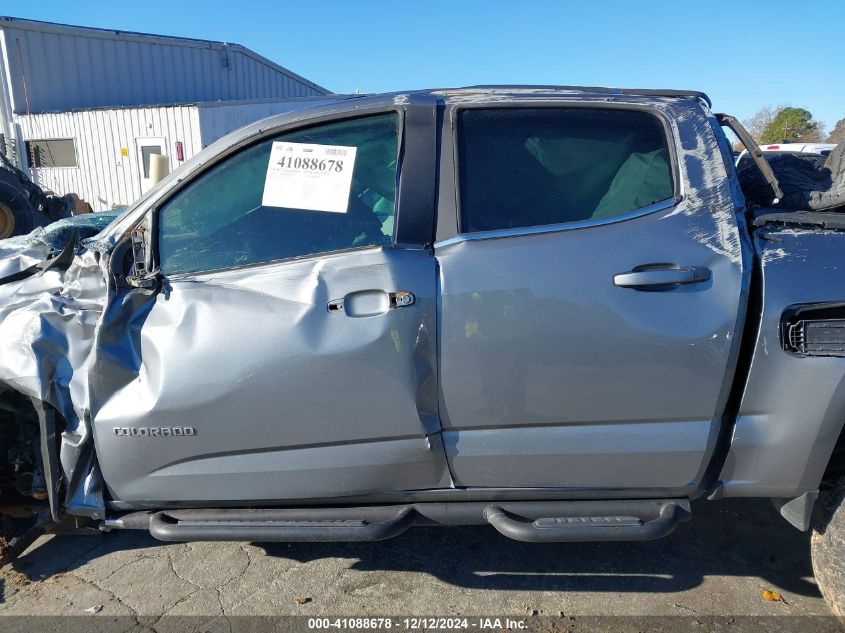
<point x="528" y="167"/>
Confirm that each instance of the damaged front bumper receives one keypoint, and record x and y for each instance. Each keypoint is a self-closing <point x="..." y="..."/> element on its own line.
<point x="52" y="292"/>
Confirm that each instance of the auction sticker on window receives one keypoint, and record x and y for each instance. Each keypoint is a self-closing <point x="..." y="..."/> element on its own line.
<point x="309" y="177"/>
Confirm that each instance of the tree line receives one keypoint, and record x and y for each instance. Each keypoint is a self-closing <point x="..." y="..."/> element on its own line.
<point x="785" y="124"/>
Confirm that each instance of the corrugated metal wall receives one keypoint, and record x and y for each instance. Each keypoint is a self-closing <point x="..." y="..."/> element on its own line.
<point x="56" y="67"/>
<point x="103" y="176"/>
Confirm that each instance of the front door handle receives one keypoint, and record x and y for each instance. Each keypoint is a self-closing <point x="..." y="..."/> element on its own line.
<point x="661" y="276"/>
<point x="367" y="303"/>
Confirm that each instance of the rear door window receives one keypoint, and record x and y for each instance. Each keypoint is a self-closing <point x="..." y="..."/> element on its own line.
<point x="524" y="167"/>
<point x="229" y="217"/>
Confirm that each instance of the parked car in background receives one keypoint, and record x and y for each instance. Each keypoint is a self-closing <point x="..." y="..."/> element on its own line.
<point x="822" y="149"/>
<point x="814" y="152"/>
<point x="549" y="310"/>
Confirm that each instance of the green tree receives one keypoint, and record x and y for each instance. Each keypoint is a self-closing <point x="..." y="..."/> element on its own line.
<point x="760" y="121"/>
<point x="791" y="125"/>
<point x="838" y="134"/>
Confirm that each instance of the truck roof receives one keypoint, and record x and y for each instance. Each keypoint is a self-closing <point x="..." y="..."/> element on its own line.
<point x="585" y="90"/>
<point x="517" y="90"/>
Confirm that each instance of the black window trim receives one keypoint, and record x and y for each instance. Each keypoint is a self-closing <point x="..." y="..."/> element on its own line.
<point x="461" y="236"/>
<point x="261" y="137"/>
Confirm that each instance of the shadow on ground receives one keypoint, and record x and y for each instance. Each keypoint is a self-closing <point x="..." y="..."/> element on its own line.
<point x="726" y="538"/>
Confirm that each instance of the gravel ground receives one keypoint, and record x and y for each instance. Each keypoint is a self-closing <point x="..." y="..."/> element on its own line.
<point x="717" y="565"/>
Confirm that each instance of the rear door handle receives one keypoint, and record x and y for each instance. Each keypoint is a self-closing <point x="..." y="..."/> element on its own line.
<point x="661" y="276"/>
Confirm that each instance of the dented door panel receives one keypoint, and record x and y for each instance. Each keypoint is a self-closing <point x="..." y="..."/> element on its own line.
<point x="243" y="385"/>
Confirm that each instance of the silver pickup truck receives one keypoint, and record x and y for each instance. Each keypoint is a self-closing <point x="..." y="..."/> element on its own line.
<point x="548" y="309"/>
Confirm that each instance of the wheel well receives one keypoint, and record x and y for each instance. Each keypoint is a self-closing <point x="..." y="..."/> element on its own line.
<point x="21" y="465"/>
<point x="836" y="466"/>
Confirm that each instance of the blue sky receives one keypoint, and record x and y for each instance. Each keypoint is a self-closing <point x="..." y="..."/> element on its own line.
<point x="749" y="55"/>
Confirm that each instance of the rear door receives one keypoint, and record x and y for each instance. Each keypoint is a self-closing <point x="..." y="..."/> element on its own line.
<point x="590" y="291"/>
<point x="290" y="353"/>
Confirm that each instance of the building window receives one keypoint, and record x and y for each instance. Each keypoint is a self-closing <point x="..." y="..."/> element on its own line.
<point x="146" y="151"/>
<point x="54" y="152"/>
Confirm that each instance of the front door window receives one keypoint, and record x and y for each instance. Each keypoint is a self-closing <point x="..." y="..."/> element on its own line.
<point x="233" y="215"/>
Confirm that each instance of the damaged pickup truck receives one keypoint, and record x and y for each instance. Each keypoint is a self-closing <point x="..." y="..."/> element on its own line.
<point x="550" y="310"/>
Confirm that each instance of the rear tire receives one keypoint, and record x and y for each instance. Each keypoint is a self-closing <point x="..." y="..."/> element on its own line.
<point x="828" y="549"/>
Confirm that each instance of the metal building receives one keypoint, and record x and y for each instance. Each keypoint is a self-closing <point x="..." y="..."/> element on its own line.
<point x="82" y="109"/>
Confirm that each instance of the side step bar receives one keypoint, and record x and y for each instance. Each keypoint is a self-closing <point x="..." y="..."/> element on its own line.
<point x="585" y="529"/>
<point x="530" y="521"/>
<point x="261" y="526"/>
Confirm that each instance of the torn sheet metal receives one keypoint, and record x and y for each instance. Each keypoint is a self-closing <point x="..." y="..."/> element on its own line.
<point x="47" y="331"/>
<point x="24" y="252"/>
<point x="49" y="307"/>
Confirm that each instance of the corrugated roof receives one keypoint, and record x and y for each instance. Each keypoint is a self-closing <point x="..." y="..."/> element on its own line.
<point x="60" y="67"/>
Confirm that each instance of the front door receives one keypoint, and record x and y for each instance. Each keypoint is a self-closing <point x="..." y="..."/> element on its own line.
<point x="291" y="352"/>
<point x="588" y="315"/>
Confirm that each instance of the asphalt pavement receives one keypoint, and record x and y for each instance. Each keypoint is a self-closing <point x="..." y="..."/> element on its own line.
<point x="719" y="564"/>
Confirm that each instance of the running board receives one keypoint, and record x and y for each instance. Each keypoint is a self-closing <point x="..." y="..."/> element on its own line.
<point x="266" y="526"/>
<point x="530" y="521"/>
<point x="581" y="529"/>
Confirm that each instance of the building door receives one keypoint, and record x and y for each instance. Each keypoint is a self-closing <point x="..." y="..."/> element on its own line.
<point x="146" y="148"/>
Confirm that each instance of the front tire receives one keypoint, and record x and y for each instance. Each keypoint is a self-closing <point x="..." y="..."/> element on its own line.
<point x="828" y="549"/>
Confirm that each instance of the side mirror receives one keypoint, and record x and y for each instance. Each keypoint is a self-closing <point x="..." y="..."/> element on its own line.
<point x="140" y="276"/>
